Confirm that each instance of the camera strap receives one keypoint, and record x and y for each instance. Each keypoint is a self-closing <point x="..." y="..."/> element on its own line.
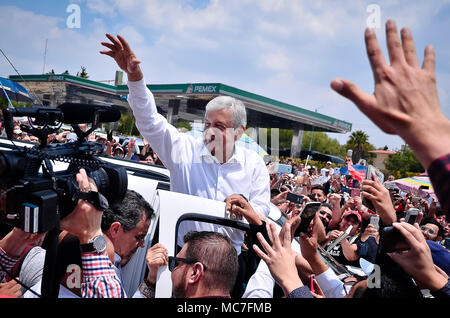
<point x="95" y="198"/>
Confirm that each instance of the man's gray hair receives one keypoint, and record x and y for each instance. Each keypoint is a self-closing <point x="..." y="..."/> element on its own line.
<point x="236" y="106"/>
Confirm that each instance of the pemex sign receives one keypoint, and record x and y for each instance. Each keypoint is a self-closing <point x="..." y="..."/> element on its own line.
<point x="203" y="89"/>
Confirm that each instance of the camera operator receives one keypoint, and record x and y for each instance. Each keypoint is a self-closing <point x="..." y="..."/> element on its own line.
<point x="99" y="280"/>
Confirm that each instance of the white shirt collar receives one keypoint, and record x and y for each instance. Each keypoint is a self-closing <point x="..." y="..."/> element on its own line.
<point x="237" y="157"/>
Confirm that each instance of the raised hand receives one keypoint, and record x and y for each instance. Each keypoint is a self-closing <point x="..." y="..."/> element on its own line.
<point x="155" y="257"/>
<point x="125" y="58"/>
<point x="405" y="100"/>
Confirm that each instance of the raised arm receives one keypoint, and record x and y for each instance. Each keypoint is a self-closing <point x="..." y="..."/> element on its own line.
<point x="161" y="136"/>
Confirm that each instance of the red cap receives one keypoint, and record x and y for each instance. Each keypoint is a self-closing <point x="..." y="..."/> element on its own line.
<point x="356" y="213"/>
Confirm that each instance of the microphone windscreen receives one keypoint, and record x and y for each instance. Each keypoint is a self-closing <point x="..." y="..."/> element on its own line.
<point x="84" y="113"/>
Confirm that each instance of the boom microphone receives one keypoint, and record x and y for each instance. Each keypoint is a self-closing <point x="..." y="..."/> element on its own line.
<point x="84" y="113"/>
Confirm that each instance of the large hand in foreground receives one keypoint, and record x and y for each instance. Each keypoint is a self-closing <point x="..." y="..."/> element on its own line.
<point x="280" y="258"/>
<point x="405" y="100"/>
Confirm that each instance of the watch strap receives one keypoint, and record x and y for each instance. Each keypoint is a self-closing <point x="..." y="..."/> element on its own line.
<point x="97" y="199"/>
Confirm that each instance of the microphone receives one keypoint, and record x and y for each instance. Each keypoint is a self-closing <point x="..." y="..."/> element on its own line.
<point x="84" y="113"/>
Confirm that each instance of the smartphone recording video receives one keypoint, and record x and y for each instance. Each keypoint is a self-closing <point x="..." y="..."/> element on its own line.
<point x="391" y="240"/>
<point x="375" y="221"/>
<point x="355" y="192"/>
<point x="295" y="198"/>
<point x="306" y="216"/>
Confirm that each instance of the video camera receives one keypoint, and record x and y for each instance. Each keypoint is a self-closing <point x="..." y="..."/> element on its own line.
<point x="34" y="197"/>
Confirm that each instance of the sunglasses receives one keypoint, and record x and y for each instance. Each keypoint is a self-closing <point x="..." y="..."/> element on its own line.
<point x="427" y="229"/>
<point x="173" y="262"/>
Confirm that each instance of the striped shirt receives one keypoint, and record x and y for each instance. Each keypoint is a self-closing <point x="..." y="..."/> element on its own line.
<point x="99" y="278"/>
<point x="7" y="264"/>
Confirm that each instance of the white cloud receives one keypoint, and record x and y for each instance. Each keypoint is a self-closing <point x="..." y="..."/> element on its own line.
<point x="285" y="50"/>
<point x="104" y="7"/>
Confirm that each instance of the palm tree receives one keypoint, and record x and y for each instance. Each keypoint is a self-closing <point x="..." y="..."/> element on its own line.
<point x="359" y="143"/>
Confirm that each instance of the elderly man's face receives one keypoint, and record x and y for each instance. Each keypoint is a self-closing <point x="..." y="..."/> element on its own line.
<point x="219" y="134"/>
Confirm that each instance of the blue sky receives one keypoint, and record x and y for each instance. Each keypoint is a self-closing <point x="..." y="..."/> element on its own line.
<point x="288" y="50"/>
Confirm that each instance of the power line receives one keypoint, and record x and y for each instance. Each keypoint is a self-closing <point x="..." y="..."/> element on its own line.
<point x="31" y="92"/>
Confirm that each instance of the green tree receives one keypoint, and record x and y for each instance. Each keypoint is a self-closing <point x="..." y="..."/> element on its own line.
<point x="322" y="143"/>
<point x="83" y="73"/>
<point x="359" y="143"/>
<point x="184" y="124"/>
<point x="403" y="162"/>
<point x="127" y="125"/>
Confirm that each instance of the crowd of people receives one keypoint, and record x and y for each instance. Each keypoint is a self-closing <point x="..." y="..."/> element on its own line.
<point x="357" y="221"/>
<point x="114" y="146"/>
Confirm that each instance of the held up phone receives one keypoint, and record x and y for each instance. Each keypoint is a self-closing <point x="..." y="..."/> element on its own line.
<point x="296" y="198"/>
<point x="355" y="192"/>
<point x="283" y="168"/>
<point x="364" y="200"/>
<point x="306" y="215"/>
<point x="311" y="282"/>
<point x="375" y="221"/>
<point x="391" y="240"/>
<point x="415" y="199"/>
<point x="411" y="216"/>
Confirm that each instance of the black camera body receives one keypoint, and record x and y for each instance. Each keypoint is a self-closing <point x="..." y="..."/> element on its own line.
<point x="34" y="197"/>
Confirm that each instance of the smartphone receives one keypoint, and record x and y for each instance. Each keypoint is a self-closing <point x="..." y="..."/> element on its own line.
<point x="311" y="283"/>
<point x="355" y="192"/>
<point x="375" y="221"/>
<point x="306" y="215"/>
<point x="283" y="168"/>
<point x="415" y="199"/>
<point x="411" y="216"/>
<point x="391" y="240"/>
<point x="296" y="198"/>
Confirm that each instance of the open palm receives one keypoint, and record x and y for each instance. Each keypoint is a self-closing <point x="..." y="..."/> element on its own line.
<point x="120" y="51"/>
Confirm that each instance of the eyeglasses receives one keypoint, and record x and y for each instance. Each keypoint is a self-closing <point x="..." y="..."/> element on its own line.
<point x="173" y="262"/>
<point x="427" y="229"/>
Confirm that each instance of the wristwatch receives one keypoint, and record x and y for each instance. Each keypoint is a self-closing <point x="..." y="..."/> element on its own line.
<point x="146" y="289"/>
<point x="97" y="245"/>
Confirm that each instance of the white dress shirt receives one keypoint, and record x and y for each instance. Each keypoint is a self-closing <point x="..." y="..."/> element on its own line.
<point x="193" y="170"/>
<point x="330" y="284"/>
<point x="261" y="283"/>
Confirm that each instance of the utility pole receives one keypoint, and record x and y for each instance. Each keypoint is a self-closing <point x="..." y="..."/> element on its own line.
<point x="45" y="56"/>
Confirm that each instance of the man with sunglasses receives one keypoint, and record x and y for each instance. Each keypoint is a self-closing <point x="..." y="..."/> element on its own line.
<point x="432" y="230"/>
<point x="206" y="267"/>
